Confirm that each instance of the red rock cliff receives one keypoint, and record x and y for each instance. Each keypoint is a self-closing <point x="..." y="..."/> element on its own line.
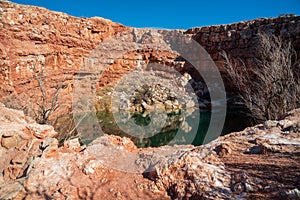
<point x="62" y="43"/>
<point x="59" y="41"/>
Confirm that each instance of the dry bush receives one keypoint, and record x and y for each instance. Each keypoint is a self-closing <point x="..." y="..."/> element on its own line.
<point x="43" y="101"/>
<point x="271" y="87"/>
<point x="45" y="104"/>
<point x="40" y="99"/>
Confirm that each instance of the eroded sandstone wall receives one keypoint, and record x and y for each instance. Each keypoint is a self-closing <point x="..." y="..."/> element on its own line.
<point x="36" y="37"/>
<point x="239" y="40"/>
<point x="62" y="44"/>
<point x="58" y="41"/>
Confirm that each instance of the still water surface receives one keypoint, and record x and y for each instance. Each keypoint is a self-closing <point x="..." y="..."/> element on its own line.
<point x="177" y="128"/>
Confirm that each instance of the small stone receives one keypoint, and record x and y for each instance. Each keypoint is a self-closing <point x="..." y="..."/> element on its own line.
<point x="22" y="145"/>
<point x="8" y="142"/>
<point x="90" y="167"/>
<point x="271" y="123"/>
<point x="293" y="194"/>
<point x="238" y="188"/>
<point x="186" y="127"/>
<point x="20" y="158"/>
<point x="25" y="134"/>
<point x="223" y="149"/>
<point x="159" y="106"/>
<point x="39" y="135"/>
<point x="12" y="172"/>
<point x="146" y="106"/>
<point x="190" y="104"/>
<point x="73" y="144"/>
<point x="44" y="131"/>
<point x="285" y="123"/>
<point x="240" y="177"/>
<point x="248" y="187"/>
<point x="49" y="143"/>
<point x="176" y="105"/>
<point x="251" y="132"/>
<point x="185" y="79"/>
<point x="49" y="147"/>
<point x="168" y="105"/>
<point x="259" y="149"/>
<point x="151" y="173"/>
<point x="118" y="194"/>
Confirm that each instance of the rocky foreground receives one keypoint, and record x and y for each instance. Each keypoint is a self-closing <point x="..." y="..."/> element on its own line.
<point x="261" y="162"/>
<point x="64" y="44"/>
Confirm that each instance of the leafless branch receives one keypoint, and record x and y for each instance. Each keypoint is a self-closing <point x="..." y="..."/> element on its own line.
<point x="271" y="87"/>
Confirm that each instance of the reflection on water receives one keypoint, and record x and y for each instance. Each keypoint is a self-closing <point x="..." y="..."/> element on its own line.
<point x="152" y="129"/>
<point x="141" y="120"/>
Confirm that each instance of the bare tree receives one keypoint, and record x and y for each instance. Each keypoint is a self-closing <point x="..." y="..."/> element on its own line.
<point x="45" y="104"/>
<point x="271" y="87"/>
<point x="40" y="99"/>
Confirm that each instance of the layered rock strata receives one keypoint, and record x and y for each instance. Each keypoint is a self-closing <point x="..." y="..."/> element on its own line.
<point x="62" y="44"/>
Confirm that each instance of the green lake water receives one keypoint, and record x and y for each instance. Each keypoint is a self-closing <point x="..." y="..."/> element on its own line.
<point x="178" y="128"/>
